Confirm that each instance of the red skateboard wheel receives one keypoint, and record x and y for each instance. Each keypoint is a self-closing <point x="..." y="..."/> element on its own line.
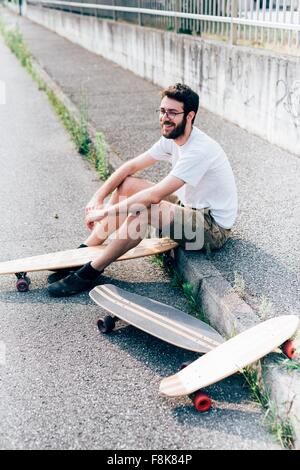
<point x="202" y="402"/>
<point x="289" y="349"/>
<point x="22" y="285"/>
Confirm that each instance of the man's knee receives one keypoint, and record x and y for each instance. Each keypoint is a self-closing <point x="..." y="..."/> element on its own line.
<point x="127" y="186"/>
<point x="135" y="225"/>
<point x="132" y="185"/>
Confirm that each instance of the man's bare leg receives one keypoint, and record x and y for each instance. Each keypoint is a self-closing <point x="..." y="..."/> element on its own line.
<point x="131" y="185"/>
<point x="102" y="230"/>
<point x="131" y="232"/>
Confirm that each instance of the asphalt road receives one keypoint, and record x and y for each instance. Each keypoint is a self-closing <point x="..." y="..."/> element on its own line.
<point x="63" y="386"/>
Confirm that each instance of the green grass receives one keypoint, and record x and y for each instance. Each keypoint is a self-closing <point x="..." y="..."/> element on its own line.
<point x="78" y="129"/>
<point x="239" y="284"/>
<point x="265" y="308"/>
<point x="14" y="41"/>
<point x="157" y="260"/>
<point x="99" y="156"/>
<point x="279" y="427"/>
<point x="289" y="365"/>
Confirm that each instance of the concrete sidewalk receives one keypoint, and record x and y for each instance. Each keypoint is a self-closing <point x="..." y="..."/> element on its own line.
<point x="264" y="247"/>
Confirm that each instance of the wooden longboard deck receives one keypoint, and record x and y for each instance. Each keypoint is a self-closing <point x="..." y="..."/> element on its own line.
<point x="158" y="319"/>
<point x="78" y="257"/>
<point x="232" y="356"/>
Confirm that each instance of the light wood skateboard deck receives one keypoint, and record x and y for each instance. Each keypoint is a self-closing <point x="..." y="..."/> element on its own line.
<point x="160" y="320"/>
<point x="230" y="357"/>
<point x="77" y="257"/>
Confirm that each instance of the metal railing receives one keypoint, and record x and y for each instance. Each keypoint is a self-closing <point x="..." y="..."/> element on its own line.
<point x="267" y="23"/>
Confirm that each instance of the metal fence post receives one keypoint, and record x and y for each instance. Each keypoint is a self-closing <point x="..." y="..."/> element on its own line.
<point x="139" y="14"/>
<point x="114" y="12"/>
<point x="233" y="26"/>
<point x="177" y="20"/>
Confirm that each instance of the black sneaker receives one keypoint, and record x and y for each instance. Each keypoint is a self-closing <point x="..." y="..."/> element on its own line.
<point x="58" y="275"/>
<point x="70" y="285"/>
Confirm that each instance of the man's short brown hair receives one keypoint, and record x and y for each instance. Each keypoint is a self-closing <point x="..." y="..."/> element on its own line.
<point x="184" y="94"/>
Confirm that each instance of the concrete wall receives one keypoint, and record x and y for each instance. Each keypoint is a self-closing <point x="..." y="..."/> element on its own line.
<point x="256" y="89"/>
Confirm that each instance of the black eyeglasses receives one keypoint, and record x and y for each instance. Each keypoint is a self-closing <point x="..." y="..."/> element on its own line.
<point x="170" y="114"/>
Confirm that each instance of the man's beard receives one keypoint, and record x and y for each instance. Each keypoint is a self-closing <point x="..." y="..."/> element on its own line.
<point x="178" y="131"/>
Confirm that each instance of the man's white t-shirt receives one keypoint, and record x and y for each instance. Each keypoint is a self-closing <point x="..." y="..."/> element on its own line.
<point x="209" y="181"/>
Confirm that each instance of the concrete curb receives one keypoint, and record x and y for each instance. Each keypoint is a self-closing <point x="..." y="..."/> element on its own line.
<point x="223" y="308"/>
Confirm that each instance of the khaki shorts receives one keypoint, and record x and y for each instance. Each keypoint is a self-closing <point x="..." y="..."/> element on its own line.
<point x="195" y="229"/>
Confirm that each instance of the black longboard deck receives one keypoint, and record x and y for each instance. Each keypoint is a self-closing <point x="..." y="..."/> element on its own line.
<point x="160" y="320"/>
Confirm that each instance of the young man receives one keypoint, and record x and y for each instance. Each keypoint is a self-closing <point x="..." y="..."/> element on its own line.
<point x="195" y="204"/>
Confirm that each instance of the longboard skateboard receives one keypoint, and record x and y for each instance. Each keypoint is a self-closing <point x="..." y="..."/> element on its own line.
<point x="78" y="257"/>
<point x="158" y="319"/>
<point x="230" y="357"/>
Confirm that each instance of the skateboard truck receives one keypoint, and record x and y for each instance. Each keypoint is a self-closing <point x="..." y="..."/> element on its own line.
<point x="23" y="282"/>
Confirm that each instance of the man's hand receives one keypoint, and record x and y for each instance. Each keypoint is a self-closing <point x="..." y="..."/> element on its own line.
<point x="95" y="216"/>
<point x="93" y="204"/>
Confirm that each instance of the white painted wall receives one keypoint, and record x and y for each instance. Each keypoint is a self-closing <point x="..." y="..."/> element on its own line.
<point x="256" y="89"/>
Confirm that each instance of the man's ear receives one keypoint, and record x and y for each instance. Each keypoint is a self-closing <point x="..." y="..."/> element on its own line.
<point x="191" y="115"/>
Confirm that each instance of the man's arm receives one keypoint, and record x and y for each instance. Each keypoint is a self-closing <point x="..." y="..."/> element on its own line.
<point x="129" y="168"/>
<point x="141" y="200"/>
<point x="152" y="195"/>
